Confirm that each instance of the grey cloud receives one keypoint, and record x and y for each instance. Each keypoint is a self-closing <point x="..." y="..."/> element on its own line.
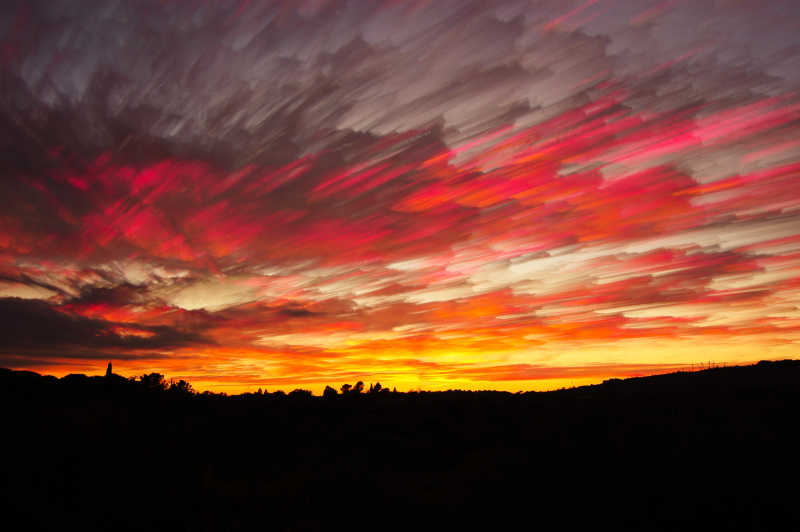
<point x="265" y="81"/>
<point x="33" y="326"/>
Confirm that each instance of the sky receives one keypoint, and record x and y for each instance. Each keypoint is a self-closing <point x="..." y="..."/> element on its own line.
<point x="511" y="195"/>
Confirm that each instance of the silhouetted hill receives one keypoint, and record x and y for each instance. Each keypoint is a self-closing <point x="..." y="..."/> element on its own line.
<point x="713" y="449"/>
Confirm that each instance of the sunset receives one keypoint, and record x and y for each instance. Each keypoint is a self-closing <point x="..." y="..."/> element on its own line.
<point x="447" y="265"/>
<point x="431" y="195"/>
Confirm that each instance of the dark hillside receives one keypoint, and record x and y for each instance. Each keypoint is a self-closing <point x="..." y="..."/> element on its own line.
<point x="715" y="449"/>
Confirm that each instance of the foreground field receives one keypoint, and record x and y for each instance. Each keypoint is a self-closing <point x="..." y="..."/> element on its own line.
<point x="714" y="449"/>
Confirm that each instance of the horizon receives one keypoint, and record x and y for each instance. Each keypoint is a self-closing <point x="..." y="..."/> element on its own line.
<point x="431" y="195"/>
<point x="317" y="391"/>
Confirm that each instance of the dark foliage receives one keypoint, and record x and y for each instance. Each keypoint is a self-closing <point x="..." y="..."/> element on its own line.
<point x="714" y="449"/>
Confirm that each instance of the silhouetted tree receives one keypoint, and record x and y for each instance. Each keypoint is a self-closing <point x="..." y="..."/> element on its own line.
<point x="359" y="387"/>
<point x="345" y="389"/>
<point x="329" y="393"/>
<point x="108" y="370"/>
<point x="153" y="381"/>
<point x="299" y="393"/>
<point x="376" y="388"/>
<point x="181" y="387"/>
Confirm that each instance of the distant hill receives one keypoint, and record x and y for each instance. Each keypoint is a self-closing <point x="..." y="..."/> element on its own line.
<point x="714" y="449"/>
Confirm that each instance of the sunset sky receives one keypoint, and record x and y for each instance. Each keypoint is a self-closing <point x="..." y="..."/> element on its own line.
<point x="505" y="195"/>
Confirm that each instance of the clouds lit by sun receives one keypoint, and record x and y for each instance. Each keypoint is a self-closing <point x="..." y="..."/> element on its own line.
<point x="427" y="194"/>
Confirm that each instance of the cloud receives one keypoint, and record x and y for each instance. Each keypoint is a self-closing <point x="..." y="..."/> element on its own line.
<point x="24" y="291"/>
<point x="362" y="182"/>
<point x="35" y="327"/>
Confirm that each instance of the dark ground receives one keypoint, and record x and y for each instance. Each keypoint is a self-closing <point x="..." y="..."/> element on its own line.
<point x="715" y="450"/>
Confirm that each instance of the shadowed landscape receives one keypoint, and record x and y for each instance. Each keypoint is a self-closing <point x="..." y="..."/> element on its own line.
<point x="712" y="449"/>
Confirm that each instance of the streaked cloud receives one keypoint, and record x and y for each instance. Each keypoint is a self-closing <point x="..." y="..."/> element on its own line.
<point x="464" y="194"/>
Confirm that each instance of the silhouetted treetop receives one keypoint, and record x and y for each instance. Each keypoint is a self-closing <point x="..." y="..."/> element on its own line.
<point x="299" y="393"/>
<point x="153" y="381"/>
<point x="181" y="387"/>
